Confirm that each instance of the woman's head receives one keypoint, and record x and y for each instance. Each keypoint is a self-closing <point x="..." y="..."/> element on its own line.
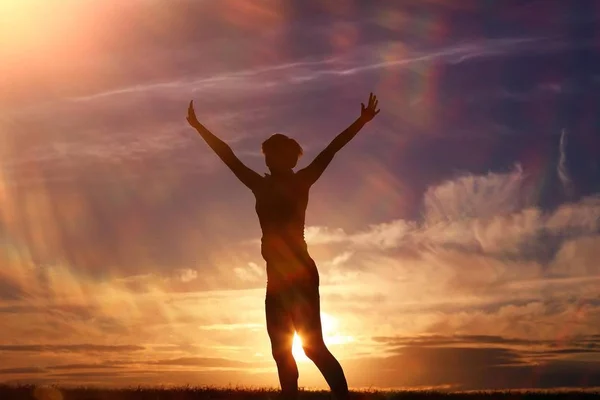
<point x="281" y="152"/>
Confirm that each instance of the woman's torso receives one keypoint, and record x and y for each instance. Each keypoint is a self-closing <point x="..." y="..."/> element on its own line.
<point x="281" y="204"/>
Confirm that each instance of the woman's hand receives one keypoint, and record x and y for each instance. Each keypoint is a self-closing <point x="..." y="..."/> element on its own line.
<point x="191" y="117"/>
<point x="370" y="111"/>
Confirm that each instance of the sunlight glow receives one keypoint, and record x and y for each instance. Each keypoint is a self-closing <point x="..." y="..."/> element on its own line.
<point x="330" y="336"/>
<point x="297" y="350"/>
<point x="27" y="25"/>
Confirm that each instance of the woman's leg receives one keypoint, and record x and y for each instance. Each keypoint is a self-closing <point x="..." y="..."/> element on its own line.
<point x="280" y="328"/>
<point x="307" y="320"/>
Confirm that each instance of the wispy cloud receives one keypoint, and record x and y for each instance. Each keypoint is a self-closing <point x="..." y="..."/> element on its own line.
<point x="562" y="169"/>
<point x="234" y="80"/>
<point x="287" y="75"/>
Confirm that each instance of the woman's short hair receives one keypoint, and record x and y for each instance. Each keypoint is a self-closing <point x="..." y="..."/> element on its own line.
<point x="281" y="144"/>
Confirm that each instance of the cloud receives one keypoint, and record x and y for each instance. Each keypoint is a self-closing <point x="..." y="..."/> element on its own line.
<point x="97" y="374"/>
<point x="71" y="348"/>
<point x="530" y="346"/>
<point x="562" y="169"/>
<point x="471" y="369"/>
<point x="288" y="74"/>
<point x="243" y="80"/>
<point x="489" y="214"/>
<point x="202" y="362"/>
<point x="9" y="290"/>
<point x="483" y="259"/>
<point x="25" y="370"/>
<point x="187" y="275"/>
<point x="61" y="160"/>
<point x="84" y="366"/>
<point x="471" y="362"/>
<point x="476" y="196"/>
<point x="251" y="273"/>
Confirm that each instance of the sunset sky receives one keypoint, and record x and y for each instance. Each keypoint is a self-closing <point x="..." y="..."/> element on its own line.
<point x="457" y="236"/>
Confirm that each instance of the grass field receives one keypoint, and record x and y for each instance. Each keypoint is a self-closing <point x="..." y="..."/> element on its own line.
<point x="201" y="393"/>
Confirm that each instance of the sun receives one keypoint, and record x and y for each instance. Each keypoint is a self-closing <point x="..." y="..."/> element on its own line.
<point x="297" y="349"/>
<point x="329" y="325"/>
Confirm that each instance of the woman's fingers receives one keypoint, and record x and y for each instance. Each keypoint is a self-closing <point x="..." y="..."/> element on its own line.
<point x="191" y="112"/>
<point x="372" y="100"/>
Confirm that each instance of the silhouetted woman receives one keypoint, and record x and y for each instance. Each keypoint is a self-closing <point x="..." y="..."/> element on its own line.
<point x="292" y="299"/>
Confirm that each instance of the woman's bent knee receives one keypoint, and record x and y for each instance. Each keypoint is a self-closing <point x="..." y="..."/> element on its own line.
<point x="315" y="350"/>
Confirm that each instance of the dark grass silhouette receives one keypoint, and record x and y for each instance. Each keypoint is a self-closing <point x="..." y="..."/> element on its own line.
<point x="30" y="392"/>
